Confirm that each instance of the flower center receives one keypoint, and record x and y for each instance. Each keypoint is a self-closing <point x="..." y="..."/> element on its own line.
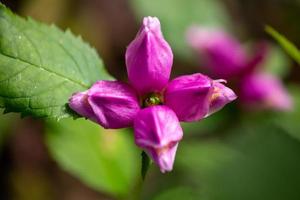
<point x="152" y="99"/>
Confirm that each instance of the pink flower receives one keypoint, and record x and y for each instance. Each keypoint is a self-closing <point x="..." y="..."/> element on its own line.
<point x="225" y="57"/>
<point x="222" y="54"/>
<point x="260" y="90"/>
<point x="150" y="103"/>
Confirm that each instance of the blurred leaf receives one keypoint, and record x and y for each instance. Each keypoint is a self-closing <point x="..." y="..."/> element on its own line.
<point x="41" y="66"/>
<point x="289" y="121"/>
<point x="210" y="125"/>
<point x="106" y="160"/>
<point x="267" y="167"/>
<point x="254" y="162"/>
<point x="288" y="46"/>
<point x="178" y="193"/>
<point x="207" y="125"/>
<point x="277" y="62"/>
<point x="177" y="15"/>
<point x="200" y="158"/>
<point x="194" y="161"/>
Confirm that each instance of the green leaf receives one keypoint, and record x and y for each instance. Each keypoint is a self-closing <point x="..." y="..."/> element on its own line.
<point x="177" y="15"/>
<point x="266" y="166"/>
<point x="256" y="161"/>
<point x="288" y="46"/>
<point x="145" y="164"/>
<point x="178" y="193"/>
<point x="210" y="125"/>
<point x="106" y="160"/>
<point x="41" y="66"/>
<point x="289" y="121"/>
<point x="277" y="62"/>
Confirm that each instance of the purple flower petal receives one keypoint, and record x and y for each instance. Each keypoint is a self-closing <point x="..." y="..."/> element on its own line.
<point x="112" y="104"/>
<point x="265" y="91"/>
<point x="157" y="131"/>
<point x="79" y="103"/>
<point x="149" y="58"/>
<point x="188" y="96"/>
<point x="222" y="54"/>
<point x="221" y="96"/>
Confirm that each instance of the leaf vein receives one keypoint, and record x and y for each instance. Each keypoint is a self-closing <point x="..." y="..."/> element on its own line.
<point x="45" y="69"/>
<point x="15" y="74"/>
<point x="38" y="54"/>
<point x="36" y="94"/>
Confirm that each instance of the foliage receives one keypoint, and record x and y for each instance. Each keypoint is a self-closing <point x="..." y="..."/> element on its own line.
<point x="277" y="62"/>
<point x="252" y="162"/>
<point x="289" y="121"/>
<point x="288" y="46"/>
<point x="41" y="66"/>
<point x="105" y="160"/>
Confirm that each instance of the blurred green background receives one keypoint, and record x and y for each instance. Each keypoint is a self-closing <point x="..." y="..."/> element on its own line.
<point x="233" y="155"/>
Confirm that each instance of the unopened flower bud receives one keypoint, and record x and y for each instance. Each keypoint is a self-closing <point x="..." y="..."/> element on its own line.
<point x="149" y="58"/>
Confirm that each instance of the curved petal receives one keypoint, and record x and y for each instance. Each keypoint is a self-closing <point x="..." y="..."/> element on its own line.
<point x="149" y="58"/>
<point x="221" y="96"/>
<point x="157" y="130"/>
<point x="222" y="54"/>
<point x="265" y="91"/>
<point x="79" y="103"/>
<point x="112" y="104"/>
<point x="188" y="96"/>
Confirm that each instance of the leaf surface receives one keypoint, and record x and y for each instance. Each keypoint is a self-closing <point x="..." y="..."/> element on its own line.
<point x="106" y="160"/>
<point x="42" y="66"/>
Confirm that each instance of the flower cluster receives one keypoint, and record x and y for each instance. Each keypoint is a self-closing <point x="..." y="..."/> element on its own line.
<point x="225" y="57"/>
<point x="151" y="103"/>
